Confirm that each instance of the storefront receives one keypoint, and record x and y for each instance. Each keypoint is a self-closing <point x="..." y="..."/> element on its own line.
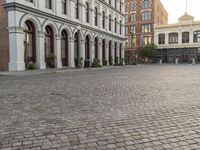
<point x="184" y="55"/>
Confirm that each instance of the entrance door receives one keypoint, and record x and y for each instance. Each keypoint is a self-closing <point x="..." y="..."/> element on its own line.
<point x="49" y="46"/>
<point x="185" y="57"/>
<point x="164" y="56"/>
<point x="29" y="43"/>
<point x="64" y="48"/>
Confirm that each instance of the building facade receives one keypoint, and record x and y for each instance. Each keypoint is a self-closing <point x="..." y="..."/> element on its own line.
<point x="69" y="29"/>
<point x="180" y="42"/>
<point x="140" y="18"/>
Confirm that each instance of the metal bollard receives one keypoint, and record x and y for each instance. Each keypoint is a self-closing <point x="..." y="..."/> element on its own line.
<point x="160" y="61"/>
<point x="176" y="61"/>
<point x="193" y="61"/>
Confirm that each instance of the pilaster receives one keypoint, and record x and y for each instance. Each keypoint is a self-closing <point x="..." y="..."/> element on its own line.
<point x="16" y="49"/>
<point x="71" y="53"/>
<point x="58" y="51"/>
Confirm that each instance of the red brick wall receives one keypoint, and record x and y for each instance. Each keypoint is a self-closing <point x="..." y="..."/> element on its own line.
<point x="4" y="50"/>
<point x="159" y="16"/>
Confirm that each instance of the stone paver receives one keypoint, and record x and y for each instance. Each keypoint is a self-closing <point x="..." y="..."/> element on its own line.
<point x="135" y="107"/>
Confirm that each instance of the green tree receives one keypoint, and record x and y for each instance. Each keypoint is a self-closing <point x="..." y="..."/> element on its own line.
<point x="148" y="52"/>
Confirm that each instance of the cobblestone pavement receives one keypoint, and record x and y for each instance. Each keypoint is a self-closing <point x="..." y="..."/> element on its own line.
<point x="137" y="107"/>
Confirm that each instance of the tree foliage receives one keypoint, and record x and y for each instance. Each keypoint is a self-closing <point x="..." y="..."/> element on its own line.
<point x="148" y="51"/>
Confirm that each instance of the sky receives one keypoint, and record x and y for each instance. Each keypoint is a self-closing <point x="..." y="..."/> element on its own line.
<point x="177" y="8"/>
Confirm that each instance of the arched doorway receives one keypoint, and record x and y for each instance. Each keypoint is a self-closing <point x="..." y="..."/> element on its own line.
<point x="64" y="48"/>
<point x="115" y="57"/>
<point x="29" y="43"/>
<point x="87" y="47"/>
<point x="76" y="45"/>
<point x="49" y="47"/>
<point x="120" y="51"/>
<point x="77" y="49"/>
<point x="96" y="44"/>
<point x="110" y="53"/>
<point x="104" y="49"/>
<point x="110" y="49"/>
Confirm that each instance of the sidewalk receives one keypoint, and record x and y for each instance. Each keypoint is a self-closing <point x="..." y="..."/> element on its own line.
<point x="49" y="71"/>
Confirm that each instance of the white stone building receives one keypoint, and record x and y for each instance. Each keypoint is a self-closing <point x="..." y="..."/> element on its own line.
<point x="69" y="29"/>
<point x="180" y="41"/>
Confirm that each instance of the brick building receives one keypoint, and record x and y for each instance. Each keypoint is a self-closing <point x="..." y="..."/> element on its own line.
<point x="4" y="55"/>
<point x="140" y="18"/>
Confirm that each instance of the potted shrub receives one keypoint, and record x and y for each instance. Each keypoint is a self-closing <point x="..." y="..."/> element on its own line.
<point x="110" y="60"/>
<point x="96" y="63"/>
<point x="78" y="62"/>
<point x="87" y="63"/>
<point x="116" y="61"/>
<point x="121" y="61"/>
<point x="31" y="66"/>
<point x="51" y="60"/>
<point x="134" y="63"/>
<point x="105" y="62"/>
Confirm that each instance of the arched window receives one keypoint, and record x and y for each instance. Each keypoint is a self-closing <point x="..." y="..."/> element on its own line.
<point x="87" y="47"/>
<point x="133" y="6"/>
<point x="77" y="9"/>
<point x="115" y="25"/>
<point x="64" y="6"/>
<point x="48" y="4"/>
<point x="110" y="22"/>
<point x="104" y="49"/>
<point x="103" y="19"/>
<point x="96" y="16"/>
<point x="126" y="7"/>
<point x="29" y="43"/>
<point x="146" y="4"/>
<point x="173" y="38"/>
<point x="96" y="44"/>
<point x="196" y="36"/>
<point x="87" y="12"/>
<point x="185" y="37"/>
<point x="49" y="45"/>
<point x="120" y="27"/>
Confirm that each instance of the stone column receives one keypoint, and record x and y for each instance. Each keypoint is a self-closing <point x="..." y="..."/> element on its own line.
<point x="167" y="38"/>
<point x="71" y="53"/>
<point x="112" y="24"/>
<point x="41" y="51"/>
<point x="118" y="46"/>
<point x="179" y="37"/>
<point x="107" y="53"/>
<point x="71" y="10"/>
<point x="58" y="51"/>
<point x="16" y="49"/>
<point x="100" y="17"/>
<point x="92" y="13"/>
<point x="191" y="37"/>
<point x="123" y="45"/>
<point x="82" y="50"/>
<point x="82" y="11"/>
<point x="106" y="23"/>
<point x="100" y="52"/>
<point x="113" y="52"/>
<point x="92" y="51"/>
